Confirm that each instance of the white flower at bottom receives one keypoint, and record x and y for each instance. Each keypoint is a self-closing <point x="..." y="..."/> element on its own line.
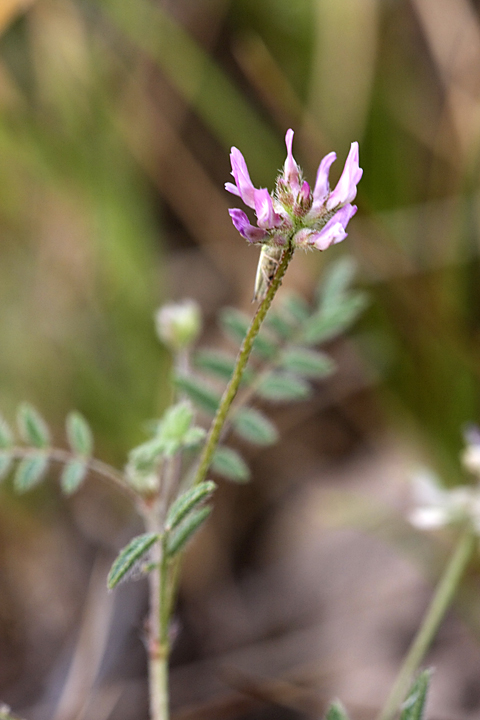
<point x="437" y="507"/>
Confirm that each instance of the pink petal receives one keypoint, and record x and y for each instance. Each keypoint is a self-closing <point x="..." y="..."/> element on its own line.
<point x="346" y="188"/>
<point x="249" y="232"/>
<point x="322" y="187"/>
<point x="244" y="185"/>
<point x="266" y="215"/>
<point x="291" y="171"/>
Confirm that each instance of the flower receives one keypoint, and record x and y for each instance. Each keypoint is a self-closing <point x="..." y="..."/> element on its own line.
<point x="178" y="324"/>
<point x="294" y="213"/>
<point x="438" y="507"/>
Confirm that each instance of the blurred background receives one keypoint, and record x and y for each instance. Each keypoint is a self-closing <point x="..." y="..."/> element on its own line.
<point x="116" y="120"/>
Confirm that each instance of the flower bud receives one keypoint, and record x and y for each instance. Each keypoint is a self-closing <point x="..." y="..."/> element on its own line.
<point x="178" y="324"/>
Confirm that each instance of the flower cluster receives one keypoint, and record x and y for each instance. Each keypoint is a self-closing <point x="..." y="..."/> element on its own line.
<point x="293" y="213"/>
<point x="437" y="506"/>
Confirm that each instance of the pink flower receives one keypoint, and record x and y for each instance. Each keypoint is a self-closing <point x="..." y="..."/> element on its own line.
<point x="293" y="213"/>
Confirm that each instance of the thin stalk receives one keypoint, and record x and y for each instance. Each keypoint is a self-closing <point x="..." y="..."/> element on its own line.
<point x="440" y="603"/>
<point x="242" y="360"/>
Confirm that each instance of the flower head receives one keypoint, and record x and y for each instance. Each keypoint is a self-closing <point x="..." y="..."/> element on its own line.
<point x="437" y="507"/>
<point x="294" y="213"/>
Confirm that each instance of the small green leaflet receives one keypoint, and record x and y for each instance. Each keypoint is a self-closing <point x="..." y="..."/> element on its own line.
<point x="30" y="471"/>
<point x="184" y="532"/>
<point x="325" y="325"/>
<point x="32" y="427"/>
<point x="229" y="464"/>
<point x="252" y="425"/>
<point x="129" y="557"/>
<point x="306" y="362"/>
<point x="73" y="474"/>
<point x="336" y="711"/>
<point x="283" y="387"/>
<point x="335" y="283"/>
<point x="414" y="706"/>
<point x="79" y="435"/>
<point x="203" y="396"/>
<point x="186" y="502"/>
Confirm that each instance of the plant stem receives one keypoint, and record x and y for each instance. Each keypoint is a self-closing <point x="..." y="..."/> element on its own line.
<point x="439" y="605"/>
<point x="164" y="577"/>
<point x="242" y="360"/>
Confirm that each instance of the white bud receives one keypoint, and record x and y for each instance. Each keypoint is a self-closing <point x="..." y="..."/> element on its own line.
<point x="178" y="324"/>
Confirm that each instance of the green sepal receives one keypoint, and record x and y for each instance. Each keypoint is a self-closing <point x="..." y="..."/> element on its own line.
<point x="283" y="387"/>
<point x="307" y="363"/>
<point x="252" y="425"/>
<point x="30" y="472"/>
<point x="73" y="475"/>
<point x="129" y="557"/>
<point x="6" y="461"/>
<point x="186" y="502"/>
<point x="336" y="711"/>
<point x="6" y="435"/>
<point x="203" y="396"/>
<point x="79" y="434"/>
<point x="414" y="706"/>
<point x="179" y="537"/>
<point x="230" y="465"/>
<point x="32" y="427"/>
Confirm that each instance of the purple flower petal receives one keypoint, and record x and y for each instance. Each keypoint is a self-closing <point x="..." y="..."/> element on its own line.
<point x="322" y="187"/>
<point x="243" y="183"/>
<point x="346" y="188"/>
<point x="231" y="188"/>
<point x="291" y="171"/>
<point x="334" y="231"/>
<point x="249" y="232"/>
<point x="266" y="215"/>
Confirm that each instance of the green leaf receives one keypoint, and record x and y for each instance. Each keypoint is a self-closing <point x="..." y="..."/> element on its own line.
<point x="129" y="557"/>
<point x="295" y="308"/>
<point x="283" y="387"/>
<point x="308" y="363"/>
<point x="252" y="425"/>
<point x="79" y="435"/>
<point x="325" y="325"/>
<point x="175" y="422"/>
<point x="6" y="461"/>
<point x="30" y="472"/>
<point x="229" y="464"/>
<point x="6" y="435"/>
<point x="73" y="474"/>
<point x="144" y="458"/>
<point x="236" y="324"/>
<point x="336" y="711"/>
<point x="414" y="706"/>
<point x="203" y="396"/>
<point x="33" y="428"/>
<point x="194" y="437"/>
<point x="284" y="329"/>
<point x="336" y="282"/>
<point x="184" y="532"/>
<point x="215" y="363"/>
<point x="186" y="502"/>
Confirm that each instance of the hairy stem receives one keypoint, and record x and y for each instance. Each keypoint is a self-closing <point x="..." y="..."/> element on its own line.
<point x="164" y="577"/>
<point x="439" y="605"/>
<point x="242" y="360"/>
